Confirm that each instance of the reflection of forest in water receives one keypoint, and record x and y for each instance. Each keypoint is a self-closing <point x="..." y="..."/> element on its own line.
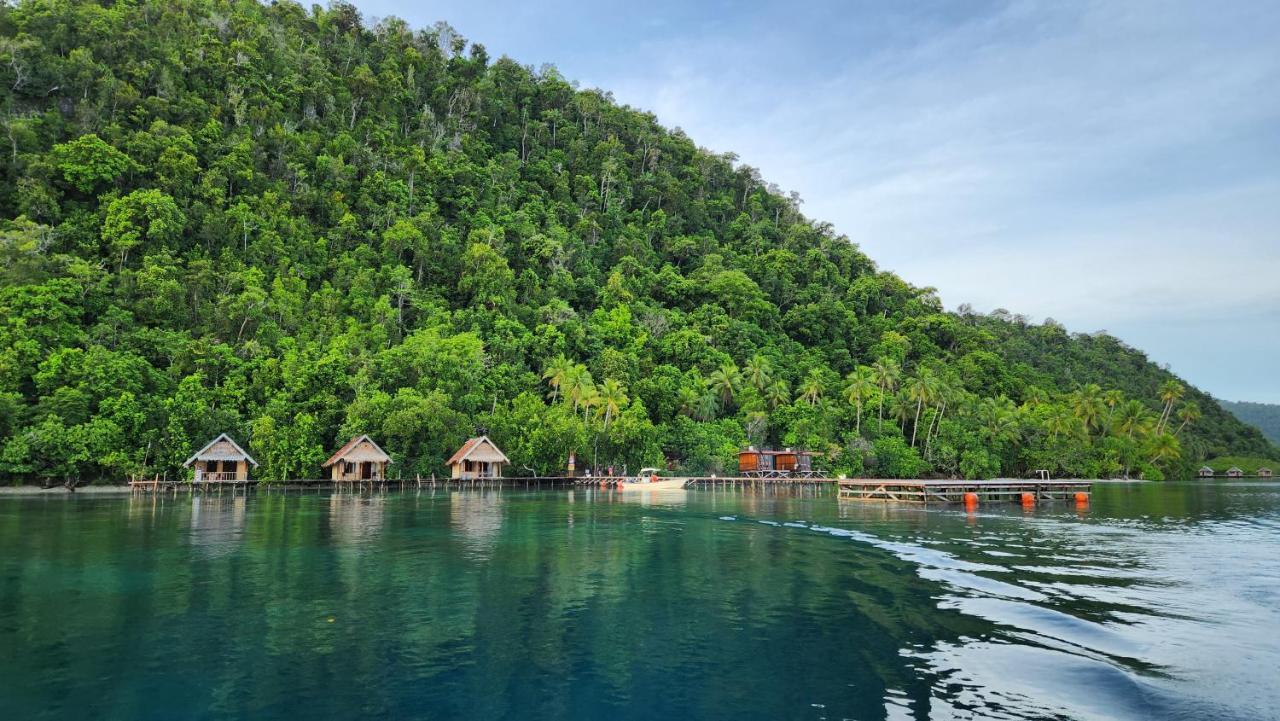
<point x="494" y="603"/>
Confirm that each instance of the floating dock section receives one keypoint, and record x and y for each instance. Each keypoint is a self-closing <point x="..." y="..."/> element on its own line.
<point x="1007" y="490"/>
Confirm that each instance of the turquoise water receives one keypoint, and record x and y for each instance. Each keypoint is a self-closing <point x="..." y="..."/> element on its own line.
<point x="1159" y="601"/>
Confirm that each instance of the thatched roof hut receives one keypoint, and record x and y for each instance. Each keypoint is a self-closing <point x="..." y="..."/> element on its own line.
<point x="222" y="459"/>
<point x="1234" y="472"/>
<point x="1264" y="472"/>
<point x="359" y="460"/>
<point x="1205" y="472"/>
<point x="478" y="458"/>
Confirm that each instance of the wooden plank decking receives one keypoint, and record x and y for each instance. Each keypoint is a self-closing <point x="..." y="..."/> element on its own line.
<point x="956" y="491"/>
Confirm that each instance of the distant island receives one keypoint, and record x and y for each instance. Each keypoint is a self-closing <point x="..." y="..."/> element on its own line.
<point x="282" y="223"/>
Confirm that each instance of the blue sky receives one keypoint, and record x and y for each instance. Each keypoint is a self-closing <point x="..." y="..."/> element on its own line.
<point x="1112" y="165"/>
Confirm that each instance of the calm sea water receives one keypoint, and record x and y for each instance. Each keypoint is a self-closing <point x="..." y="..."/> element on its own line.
<point x="1161" y="601"/>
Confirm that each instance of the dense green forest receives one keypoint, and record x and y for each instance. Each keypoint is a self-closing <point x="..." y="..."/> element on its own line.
<point x="292" y="226"/>
<point x="1263" y="416"/>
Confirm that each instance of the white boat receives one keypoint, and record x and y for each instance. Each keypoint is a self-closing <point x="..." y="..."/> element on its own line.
<point x="649" y="480"/>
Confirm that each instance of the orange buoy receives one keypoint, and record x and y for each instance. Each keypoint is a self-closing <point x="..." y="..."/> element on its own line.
<point x="1082" y="498"/>
<point x="970" y="500"/>
<point x="1028" y="499"/>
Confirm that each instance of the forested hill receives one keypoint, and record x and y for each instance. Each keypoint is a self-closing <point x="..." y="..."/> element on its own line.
<point x="1263" y="416"/>
<point x="292" y="226"/>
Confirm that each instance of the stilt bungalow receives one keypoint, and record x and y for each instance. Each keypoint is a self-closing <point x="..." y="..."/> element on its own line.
<point x="360" y="460"/>
<point x="222" y="460"/>
<point x="1234" y="472"/>
<point x="478" y="458"/>
<point x="1264" y="472"/>
<point x="1205" y="472"/>
<point x="775" y="464"/>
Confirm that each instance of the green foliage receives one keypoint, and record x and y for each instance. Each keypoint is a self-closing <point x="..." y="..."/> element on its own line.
<point x="1263" y="416"/>
<point x="277" y="222"/>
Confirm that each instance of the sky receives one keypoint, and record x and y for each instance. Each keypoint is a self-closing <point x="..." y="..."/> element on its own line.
<point x="1111" y="165"/>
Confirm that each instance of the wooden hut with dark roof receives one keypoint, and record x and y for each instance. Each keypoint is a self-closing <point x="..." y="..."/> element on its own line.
<point x="222" y="460"/>
<point x="359" y="460"/>
<point x="478" y="458"/>
<point x="1264" y="472"/>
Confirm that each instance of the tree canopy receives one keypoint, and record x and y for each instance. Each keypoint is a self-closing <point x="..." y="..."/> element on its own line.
<point x="290" y="225"/>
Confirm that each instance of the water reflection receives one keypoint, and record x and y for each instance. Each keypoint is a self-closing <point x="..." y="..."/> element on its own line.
<point x="589" y="604"/>
<point x="217" y="522"/>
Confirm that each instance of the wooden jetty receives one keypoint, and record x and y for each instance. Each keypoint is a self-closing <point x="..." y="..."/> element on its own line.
<point x="962" y="491"/>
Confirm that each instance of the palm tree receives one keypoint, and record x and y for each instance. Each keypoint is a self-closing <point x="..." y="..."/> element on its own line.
<point x="942" y="394"/>
<point x="758" y="372"/>
<point x="724" y="380"/>
<point x="900" y="409"/>
<point x="1170" y="391"/>
<point x="1035" y="396"/>
<point x="613" y="396"/>
<point x="689" y="400"/>
<point x="589" y="398"/>
<point x="708" y="405"/>
<point x="857" y="389"/>
<point x="577" y="384"/>
<point x="920" y="390"/>
<point x="1165" y="446"/>
<point x="811" y="389"/>
<point x="1111" y="399"/>
<point x="887" y="373"/>
<point x="778" y="393"/>
<point x="1188" y="413"/>
<point x="1062" y="422"/>
<point x="1087" y="404"/>
<point x="1132" y="418"/>
<point x="555" y="372"/>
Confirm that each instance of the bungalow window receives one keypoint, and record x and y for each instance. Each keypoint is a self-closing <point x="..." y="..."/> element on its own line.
<point x="211" y="466"/>
<point x="348" y="468"/>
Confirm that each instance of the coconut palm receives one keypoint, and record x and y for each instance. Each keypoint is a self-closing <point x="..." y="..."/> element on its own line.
<point x="1062" y="422"/>
<point x="708" y="405"/>
<point x="555" y="372"/>
<point x="725" y="381"/>
<point x="612" y="398"/>
<point x="588" y="397"/>
<point x="812" y="388"/>
<point x="887" y="372"/>
<point x="758" y="372"/>
<point x="577" y="384"/>
<point x="689" y="398"/>
<point x="857" y="389"/>
<point x="1170" y="391"/>
<point x="920" y="390"/>
<point x="1188" y="413"/>
<point x="1088" y="406"/>
<point x="942" y="395"/>
<point x="1111" y="399"/>
<point x="1132" y="419"/>
<point x="900" y="409"/>
<point x="778" y="393"/>
<point x="1035" y="396"/>
<point x="1165" y="445"/>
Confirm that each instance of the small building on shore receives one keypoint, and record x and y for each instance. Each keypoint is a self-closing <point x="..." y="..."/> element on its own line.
<point x="1205" y="472"/>
<point x="1234" y="472"/>
<point x="477" y="458"/>
<point x="220" y="461"/>
<point x="1264" y="472"/>
<point x="768" y="464"/>
<point x="359" y="460"/>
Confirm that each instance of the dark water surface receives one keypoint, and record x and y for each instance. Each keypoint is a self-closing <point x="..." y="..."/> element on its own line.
<point x="1161" y="601"/>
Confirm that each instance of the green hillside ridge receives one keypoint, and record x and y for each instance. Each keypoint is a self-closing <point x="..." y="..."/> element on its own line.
<point x="1263" y="416"/>
<point x="288" y="225"/>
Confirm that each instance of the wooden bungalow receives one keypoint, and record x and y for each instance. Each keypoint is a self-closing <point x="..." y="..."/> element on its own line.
<point x="1264" y="472"/>
<point x="1205" y="472"/>
<point x="775" y="464"/>
<point x="478" y="458"/>
<point x="1234" y="472"/>
<point x="220" y="461"/>
<point x="360" y="460"/>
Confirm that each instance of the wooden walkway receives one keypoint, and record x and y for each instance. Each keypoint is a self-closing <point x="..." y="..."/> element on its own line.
<point x="1025" y="491"/>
